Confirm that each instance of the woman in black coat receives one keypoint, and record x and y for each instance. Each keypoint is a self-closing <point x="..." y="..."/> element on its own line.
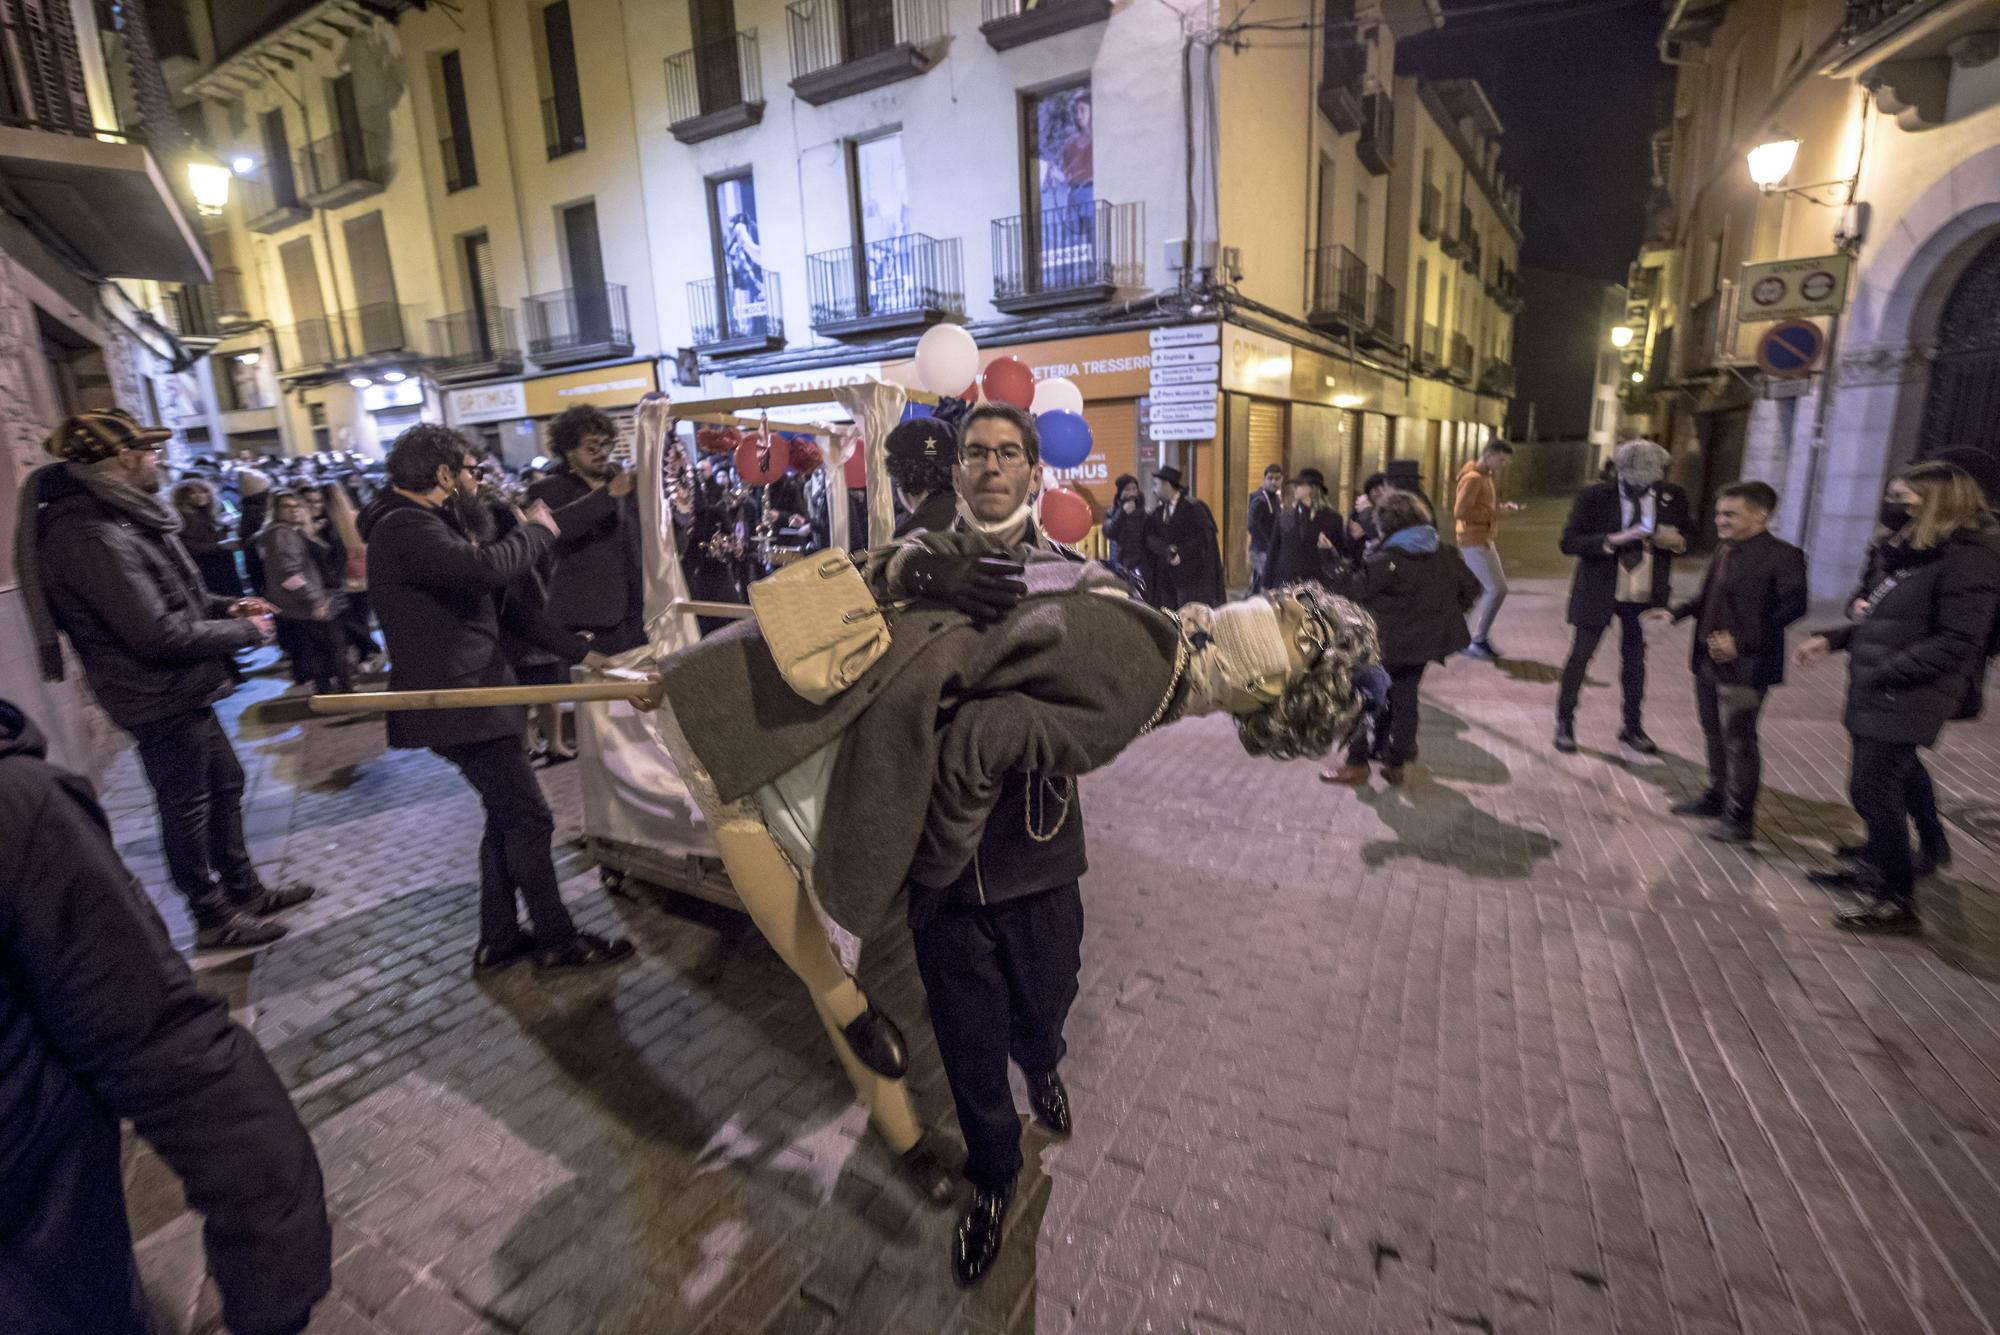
<point x="208" y="539"/>
<point x="1418" y="589"/>
<point x="1306" y="539"/>
<point x="1915" y="652"/>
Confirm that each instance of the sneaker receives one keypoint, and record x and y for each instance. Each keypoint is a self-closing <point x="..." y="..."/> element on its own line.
<point x="1704" y="804"/>
<point x="584" y="951"/>
<point x="236" y="932"/>
<point x="490" y="958"/>
<point x="266" y="902"/>
<point x="1347" y="774"/>
<point x="1881" y="918"/>
<point x="1480" y="650"/>
<point x="1635" y="737"/>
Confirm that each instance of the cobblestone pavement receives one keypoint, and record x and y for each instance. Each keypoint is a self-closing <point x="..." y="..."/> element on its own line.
<point x="1506" y="1050"/>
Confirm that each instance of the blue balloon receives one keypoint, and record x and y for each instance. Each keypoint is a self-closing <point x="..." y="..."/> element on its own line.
<point x="912" y="411"/>
<point x="1065" y="438"/>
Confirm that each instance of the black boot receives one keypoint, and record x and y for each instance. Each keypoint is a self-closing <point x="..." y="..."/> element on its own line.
<point x="493" y="956"/>
<point x="1050" y="1099"/>
<point x="878" y="1043"/>
<point x="1634" y="736"/>
<point x="1566" y="736"/>
<point x="266" y="902"/>
<point x="583" y="951"/>
<point x="977" y="1243"/>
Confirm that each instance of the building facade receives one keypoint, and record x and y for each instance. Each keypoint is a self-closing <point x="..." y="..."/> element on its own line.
<point x="1882" y="119"/>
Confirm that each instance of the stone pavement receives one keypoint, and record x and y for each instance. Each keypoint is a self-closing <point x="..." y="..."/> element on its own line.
<point x="1506" y="1050"/>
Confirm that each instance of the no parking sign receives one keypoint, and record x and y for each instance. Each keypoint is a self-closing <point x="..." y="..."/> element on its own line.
<point x="1790" y="351"/>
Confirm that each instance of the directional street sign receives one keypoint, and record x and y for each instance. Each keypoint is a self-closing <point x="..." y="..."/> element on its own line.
<point x="1187" y="335"/>
<point x="1187" y="375"/>
<point x="1184" y="412"/>
<point x="1184" y="430"/>
<point x="1789" y="351"/>
<point x="1185" y="378"/>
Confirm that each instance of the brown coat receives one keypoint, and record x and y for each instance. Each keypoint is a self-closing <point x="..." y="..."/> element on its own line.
<point x="1476" y="507"/>
<point x="1060" y="686"/>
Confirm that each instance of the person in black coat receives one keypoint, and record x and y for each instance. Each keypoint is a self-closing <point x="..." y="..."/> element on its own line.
<point x="921" y="453"/>
<point x="1418" y="588"/>
<point x="441" y="602"/>
<point x="1125" y="537"/>
<point x="1624" y="536"/>
<point x="1358" y="539"/>
<point x="1306" y="539"/>
<point x="208" y="539"/>
<point x="1186" y="551"/>
<point x="1754" y="588"/>
<point x="1265" y="503"/>
<point x="1915" y="651"/>
<point x="101" y="560"/>
<point x="596" y="585"/>
<point x="100" y="1020"/>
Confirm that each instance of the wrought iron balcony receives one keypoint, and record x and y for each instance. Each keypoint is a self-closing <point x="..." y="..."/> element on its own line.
<point x="1430" y="347"/>
<point x="343" y="167"/>
<point x="1431" y="212"/>
<point x="1376" y="148"/>
<point x="562" y="127"/>
<point x="469" y="345"/>
<point x="1067" y="256"/>
<point x="1339" y="287"/>
<point x="271" y="200"/>
<point x="460" y="171"/>
<point x="844" y="47"/>
<point x="899" y="282"/>
<point x="748" y="317"/>
<point x="346" y="336"/>
<point x="1011" y="23"/>
<point x="1461" y="358"/>
<point x="1497" y="377"/>
<point x="1865" y="16"/>
<point x="579" y="325"/>
<point x="191" y="313"/>
<point x="715" y="88"/>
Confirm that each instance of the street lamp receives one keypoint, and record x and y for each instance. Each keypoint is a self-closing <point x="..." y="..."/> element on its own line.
<point x="1638" y="377"/>
<point x="1771" y="163"/>
<point x="208" y="182"/>
<point x="1621" y="336"/>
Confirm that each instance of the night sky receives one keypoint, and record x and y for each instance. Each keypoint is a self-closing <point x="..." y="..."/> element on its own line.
<point x="1573" y="81"/>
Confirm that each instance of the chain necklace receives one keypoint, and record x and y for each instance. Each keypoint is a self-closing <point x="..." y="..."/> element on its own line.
<point x="1068" y="787"/>
<point x="1176" y="692"/>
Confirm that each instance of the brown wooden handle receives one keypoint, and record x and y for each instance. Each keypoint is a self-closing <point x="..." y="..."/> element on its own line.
<point x="480" y="697"/>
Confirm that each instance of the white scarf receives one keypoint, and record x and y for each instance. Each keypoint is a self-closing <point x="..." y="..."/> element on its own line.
<point x="1009" y="531"/>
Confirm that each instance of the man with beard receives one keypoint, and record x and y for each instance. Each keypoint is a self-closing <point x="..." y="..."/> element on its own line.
<point x="100" y="559"/>
<point x="596" y="588"/>
<point x="442" y="601"/>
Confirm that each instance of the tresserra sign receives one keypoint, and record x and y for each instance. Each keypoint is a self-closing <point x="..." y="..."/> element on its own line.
<point x="545" y="396"/>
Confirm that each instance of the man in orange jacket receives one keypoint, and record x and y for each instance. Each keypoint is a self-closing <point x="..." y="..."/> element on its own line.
<point x="1476" y="507"/>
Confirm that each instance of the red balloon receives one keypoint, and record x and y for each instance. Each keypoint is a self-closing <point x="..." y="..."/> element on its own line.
<point x="761" y="460"/>
<point x="1065" y="515"/>
<point x="856" y="467"/>
<point x="1008" y="380"/>
<point x="970" y="394"/>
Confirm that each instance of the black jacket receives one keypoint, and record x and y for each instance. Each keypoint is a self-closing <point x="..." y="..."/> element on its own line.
<point x="203" y="535"/>
<point x="153" y="644"/>
<point x="1189" y="532"/>
<point x="440" y="600"/>
<point x="1763" y="592"/>
<point x="100" y="1020"/>
<point x="595" y="583"/>
<point x="1295" y="555"/>
<point x="1913" y="661"/>
<point x="1264" y="508"/>
<point x="1598" y="513"/>
<point x="937" y="510"/>
<point x="250" y="517"/>
<point x="1418" y="599"/>
<point x="1125" y="541"/>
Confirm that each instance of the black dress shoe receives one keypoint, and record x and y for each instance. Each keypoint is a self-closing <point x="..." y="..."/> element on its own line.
<point x="977" y="1241"/>
<point x="1729" y="830"/>
<point x="584" y="951"/>
<point x="928" y="1174"/>
<point x="1050" y="1099"/>
<point x="266" y="902"/>
<point x="1637" y="740"/>
<point x="491" y="957"/>
<point x="1566" y="737"/>
<point x="237" y="931"/>
<point x="1882" y="918"/>
<point x="1706" y="804"/>
<point x="878" y="1043"/>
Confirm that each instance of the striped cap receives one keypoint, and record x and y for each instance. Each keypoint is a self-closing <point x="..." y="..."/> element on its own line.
<point x="89" y="438"/>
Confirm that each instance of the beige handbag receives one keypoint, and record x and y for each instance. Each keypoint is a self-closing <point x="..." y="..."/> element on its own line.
<point x="821" y="624"/>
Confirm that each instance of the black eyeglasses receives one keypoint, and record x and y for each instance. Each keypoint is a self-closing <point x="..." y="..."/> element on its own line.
<point x="978" y="456"/>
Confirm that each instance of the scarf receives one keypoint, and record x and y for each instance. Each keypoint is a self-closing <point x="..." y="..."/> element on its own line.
<point x="110" y="489"/>
<point x="1009" y="532"/>
<point x="1417" y="540"/>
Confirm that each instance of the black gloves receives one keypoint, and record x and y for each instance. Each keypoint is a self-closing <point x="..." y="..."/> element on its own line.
<point x="985" y="588"/>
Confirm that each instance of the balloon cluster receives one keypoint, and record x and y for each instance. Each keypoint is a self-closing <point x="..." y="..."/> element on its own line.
<point x="761" y="457"/>
<point x="948" y="357"/>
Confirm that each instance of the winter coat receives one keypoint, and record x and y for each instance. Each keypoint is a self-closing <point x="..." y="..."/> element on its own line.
<point x="295" y="572"/>
<point x="1190" y="533"/>
<point x="1597" y="513"/>
<point x="1125" y="544"/>
<point x="439" y="599"/>
<point x="101" y="1020"/>
<point x="1263" y="518"/>
<point x="1476" y="506"/>
<point x="595" y="582"/>
<point x="203" y="535"/>
<point x="1295" y="554"/>
<point x="1912" y="662"/>
<point x="250" y="517"/>
<point x="153" y="643"/>
<point x="1418" y="599"/>
<point x="1763" y="591"/>
<point x="937" y="510"/>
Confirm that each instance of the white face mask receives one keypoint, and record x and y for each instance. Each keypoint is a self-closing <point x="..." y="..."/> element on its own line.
<point x="1008" y="528"/>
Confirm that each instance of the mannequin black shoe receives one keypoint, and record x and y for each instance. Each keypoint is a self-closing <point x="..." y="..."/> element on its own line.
<point x="976" y="1244"/>
<point x="1565" y="736"/>
<point x="878" y="1043"/>
<point x="927" y="1173"/>
<point x="1049" y="1097"/>
<point x="266" y="902"/>
<point x="583" y="951"/>
<point x="1635" y="738"/>
<point x="1881" y="918"/>
<point x="491" y="957"/>
<point x="1704" y="804"/>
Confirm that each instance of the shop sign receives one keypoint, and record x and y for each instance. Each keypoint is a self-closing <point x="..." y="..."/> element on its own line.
<point x="1102" y="366"/>
<point x="403" y="394"/>
<point x="603" y="387"/>
<point x="1256" y="364"/>
<point x="486" y="403"/>
<point x="1793" y="289"/>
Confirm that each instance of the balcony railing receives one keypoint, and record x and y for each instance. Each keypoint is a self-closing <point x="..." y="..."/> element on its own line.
<point x="1461" y="357"/>
<point x="1011" y="23"/>
<point x="1430" y="345"/>
<point x="1339" y="287"/>
<point x="466" y="342"/>
<point x="1864" y="16"/>
<point x="843" y="47"/>
<point x="366" y="331"/>
<point x="579" y="324"/>
<point x="897" y="282"/>
<point x="715" y="88"/>
<point x="271" y="201"/>
<point x="342" y="167"/>
<point x="1384" y="316"/>
<point x="562" y="128"/>
<point x="1497" y="377"/>
<point x="749" y="317"/>
<point x="1431" y="212"/>
<point x="1066" y="256"/>
<point x="460" y="171"/>
<point x="191" y="311"/>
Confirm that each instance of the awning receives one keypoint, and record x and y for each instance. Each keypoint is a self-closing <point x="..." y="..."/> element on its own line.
<point x="107" y="201"/>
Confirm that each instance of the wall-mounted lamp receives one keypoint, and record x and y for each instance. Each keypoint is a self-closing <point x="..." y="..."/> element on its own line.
<point x="1621" y="336"/>
<point x="1771" y="162"/>
<point x="208" y="182"/>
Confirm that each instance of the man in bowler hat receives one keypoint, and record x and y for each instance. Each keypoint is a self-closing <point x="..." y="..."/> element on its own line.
<point x="1181" y="535"/>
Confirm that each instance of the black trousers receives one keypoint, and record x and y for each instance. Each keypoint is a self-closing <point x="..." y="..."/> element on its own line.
<point x="1889" y="788"/>
<point x="1000" y="979"/>
<point x="319" y="653"/>
<point x="1395" y="726"/>
<point x="1631" y="665"/>
<point x="1735" y="762"/>
<point x="198" y="787"/>
<point x="514" y="856"/>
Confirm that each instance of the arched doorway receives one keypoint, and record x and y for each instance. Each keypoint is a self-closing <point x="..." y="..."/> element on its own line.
<point x="1962" y="407"/>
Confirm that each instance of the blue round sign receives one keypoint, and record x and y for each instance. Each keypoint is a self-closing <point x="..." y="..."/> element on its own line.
<point x="1790" y="349"/>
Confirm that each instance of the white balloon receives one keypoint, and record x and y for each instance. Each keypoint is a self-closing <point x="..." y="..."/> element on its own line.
<point x="947" y="359"/>
<point x="1058" y="394"/>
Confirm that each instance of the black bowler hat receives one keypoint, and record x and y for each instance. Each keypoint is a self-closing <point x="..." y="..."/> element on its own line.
<point x="1312" y="477"/>
<point x="924" y="438"/>
<point x="1170" y="475"/>
<point x="1403" y="472"/>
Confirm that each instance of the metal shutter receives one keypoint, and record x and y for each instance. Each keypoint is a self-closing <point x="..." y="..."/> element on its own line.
<point x="1264" y="443"/>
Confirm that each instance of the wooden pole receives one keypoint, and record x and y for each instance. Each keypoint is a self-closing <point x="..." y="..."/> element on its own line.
<point x="480" y="697"/>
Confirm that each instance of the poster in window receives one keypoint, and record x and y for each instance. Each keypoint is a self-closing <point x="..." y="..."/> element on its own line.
<point x="882" y="194"/>
<point x="742" y="255"/>
<point x="1060" y="154"/>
